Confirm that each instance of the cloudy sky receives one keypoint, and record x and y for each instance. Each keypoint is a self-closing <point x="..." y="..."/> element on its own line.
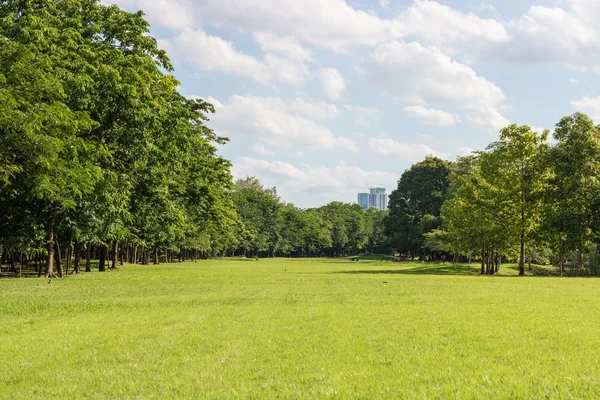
<point x="325" y="98"/>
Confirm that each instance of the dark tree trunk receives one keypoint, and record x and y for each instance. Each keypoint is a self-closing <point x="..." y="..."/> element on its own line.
<point x="482" y="262"/>
<point x="156" y="260"/>
<point x="115" y="249"/>
<point x="88" y="258"/>
<point x="69" y="258"/>
<point x="102" y="264"/>
<point x="50" y="244"/>
<point x="58" y="260"/>
<point x="77" y="258"/>
<point x="12" y="263"/>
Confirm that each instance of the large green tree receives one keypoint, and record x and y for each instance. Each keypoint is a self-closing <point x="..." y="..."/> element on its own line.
<point x="415" y="206"/>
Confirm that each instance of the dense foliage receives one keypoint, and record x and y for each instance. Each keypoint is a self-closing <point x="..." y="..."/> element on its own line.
<point x="526" y="200"/>
<point x="97" y="146"/>
<point x="274" y="228"/>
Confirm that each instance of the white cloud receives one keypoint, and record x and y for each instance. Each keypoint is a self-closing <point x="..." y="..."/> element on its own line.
<point x="318" y="110"/>
<point x="567" y="36"/>
<point x="484" y="7"/>
<point x="438" y="24"/>
<point x="590" y="106"/>
<point x="425" y="75"/>
<point x="334" y="183"/>
<point x="431" y="116"/>
<point x="277" y="123"/>
<point x="337" y="25"/>
<point x="288" y="46"/>
<point x="172" y="14"/>
<point x="574" y="81"/>
<point x="489" y="117"/>
<point x="384" y="3"/>
<point x="215" y="54"/>
<point x="408" y="151"/>
<point x="363" y="115"/>
<point x="260" y="149"/>
<point x="333" y="83"/>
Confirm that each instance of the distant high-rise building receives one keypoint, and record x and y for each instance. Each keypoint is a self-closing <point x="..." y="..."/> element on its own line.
<point x="363" y="200"/>
<point x="376" y="198"/>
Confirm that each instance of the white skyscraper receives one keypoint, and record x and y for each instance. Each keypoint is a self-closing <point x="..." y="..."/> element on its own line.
<point x="376" y="198"/>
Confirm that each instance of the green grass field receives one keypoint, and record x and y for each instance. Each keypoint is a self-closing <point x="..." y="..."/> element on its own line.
<point x="299" y="329"/>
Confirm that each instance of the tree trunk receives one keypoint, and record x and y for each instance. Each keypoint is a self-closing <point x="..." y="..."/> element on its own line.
<point x="77" y="258"/>
<point x="156" y="260"/>
<point x="58" y="260"/>
<point x="69" y="258"/>
<point x="102" y="264"/>
<point x="88" y="258"/>
<point x="50" y="244"/>
<point x="12" y="263"/>
<point x="114" y="255"/>
<point x="522" y="253"/>
<point x="482" y="262"/>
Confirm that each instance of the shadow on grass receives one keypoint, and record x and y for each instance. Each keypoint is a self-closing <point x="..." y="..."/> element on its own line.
<point x="427" y="269"/>
<point x="455" y="269"/>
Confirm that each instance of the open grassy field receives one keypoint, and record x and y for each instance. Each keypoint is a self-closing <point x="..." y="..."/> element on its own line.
<point x="299" y="329"/>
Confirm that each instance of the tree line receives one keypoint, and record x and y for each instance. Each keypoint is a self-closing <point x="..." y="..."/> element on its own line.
<point x="101" y="158"/>
<point x="100" y="155"/>
<point x="522" y="199"/>
<point x="272" y="228"/>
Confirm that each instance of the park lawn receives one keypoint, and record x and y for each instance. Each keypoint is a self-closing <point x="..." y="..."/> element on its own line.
<point x="299" y="329"/>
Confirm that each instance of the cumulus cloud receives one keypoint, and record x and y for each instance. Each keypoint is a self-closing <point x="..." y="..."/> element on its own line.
<point x="431" y="117"/>
<point x="332" y="83"/>
<point x="260" y="149"/>
<point x="437" y="23"/>
<point x="285" y="45"/>
<point x="333" y="183"/>
<point x="363" y="115"/>
<point x="425" y="75"/>
<point x="407" y="151"/>
<point x="337" y="25"/>
<point x="568" y="35"/>
<point x="489" y="117"/>
<point x="213" y="53"/>
<point x="171" y="14"/>
<point x="588" y="105"/>
<point x="278" y="123"/>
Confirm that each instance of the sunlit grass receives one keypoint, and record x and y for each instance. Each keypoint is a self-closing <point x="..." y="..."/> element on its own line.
<point x="299" y="329"/>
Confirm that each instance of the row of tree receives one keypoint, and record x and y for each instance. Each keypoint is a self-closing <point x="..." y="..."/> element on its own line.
<point x="99" y="153"/>
<point x="522" y="199"/>
<point x="274" y="228"/>
<point x="101" y="158"/>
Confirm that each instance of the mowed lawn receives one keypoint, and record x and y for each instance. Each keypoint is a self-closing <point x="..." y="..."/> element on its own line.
<point x="299" y="329"/>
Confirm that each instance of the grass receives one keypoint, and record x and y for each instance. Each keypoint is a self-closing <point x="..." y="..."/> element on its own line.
<point x="299" y="329"/>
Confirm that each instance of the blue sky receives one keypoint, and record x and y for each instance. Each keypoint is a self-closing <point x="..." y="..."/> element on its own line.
<point x="326" y="98"/>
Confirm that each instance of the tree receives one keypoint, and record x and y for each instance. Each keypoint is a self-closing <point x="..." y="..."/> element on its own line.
<point x="514" y="165"/>
<point x="574" y="192"/>
<point x="415" y="206"/>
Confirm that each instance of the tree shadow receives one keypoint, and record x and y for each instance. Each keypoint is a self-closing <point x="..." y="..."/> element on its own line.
<point x="428" y="269"/>
<point x="454" y="269"/>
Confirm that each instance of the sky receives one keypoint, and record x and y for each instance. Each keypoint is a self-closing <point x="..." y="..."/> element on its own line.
<point x="327" y="98"/>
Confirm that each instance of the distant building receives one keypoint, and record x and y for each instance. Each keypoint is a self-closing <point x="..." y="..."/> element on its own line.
<point x="363" y="200"/>
<point x="376" y="198"/>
